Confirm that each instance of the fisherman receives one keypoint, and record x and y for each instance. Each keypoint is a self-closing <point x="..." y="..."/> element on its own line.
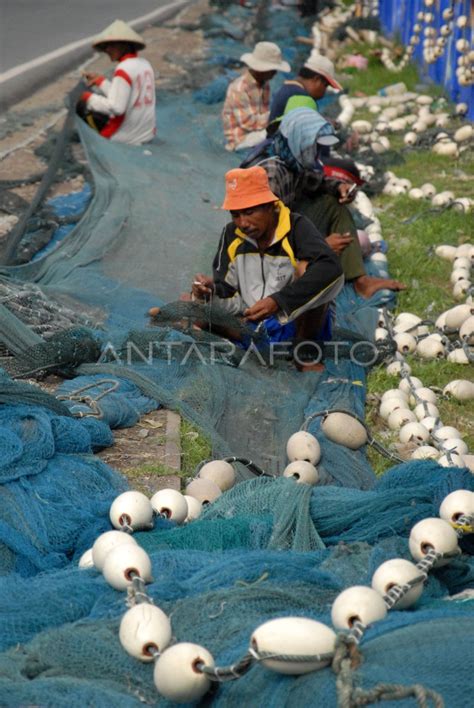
<point x="304" y="91"/>
<point x="272" y="266"/>
<point x="295" y="171"/>
<point x="122" y="109"/>
<point x="247" y="104"/>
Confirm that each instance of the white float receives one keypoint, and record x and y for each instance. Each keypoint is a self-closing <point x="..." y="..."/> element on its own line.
<point x="448" y="253"/>
<point x="106" y="542"/>
<point x="458" y="356"/>
<point x="400" y="417"/>
<point x="203" y="490"/>
<point x="461" y="389"/>
<point x="398" y="571"/>
<point x="407" y="384"/>
<point x="303" y="446"/>
<point x="344" y="429"/>
<point x="302" y="471"/>
<point x="430" y="348"/>
<point x="457" y="504"/>
<point x="430" y="422"/>
<point x="425" y="452"/>
<point x="406" y="343"/>
<point x="434" y="534"/>
<point x="86" y="560"/>
<point x="396" y="368"/>
<point x="466" y="331"/>
<point x="295" y="636"/>
<point x="177" y="676"/>
<point x="447" y="431"/>
<point x="131" y="509"/>
<point x="426" y="410"/>
<point x="451" y="460"/>
<point x="220" y="472"/>
<point x="144" y="630"/>
<point x="171" y="504"/>
<point x="391" y="404"/>
<point x="194" y="508"/>
<point x="358" y="603"/>
<point x="413" y="432"/>
<point x="422" y="394"/>
<point x="123" y="562"/>
<point x="455" y="445"/>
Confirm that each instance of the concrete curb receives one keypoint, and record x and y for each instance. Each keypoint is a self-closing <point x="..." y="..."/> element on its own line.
<point x="25" y="79"/>
<point x="173" y="447"/>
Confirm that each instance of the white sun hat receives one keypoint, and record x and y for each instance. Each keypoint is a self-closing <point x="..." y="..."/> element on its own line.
<point x="324" y="66"/>
<point x="266" y="56"/>
<point x="118" y="31"/>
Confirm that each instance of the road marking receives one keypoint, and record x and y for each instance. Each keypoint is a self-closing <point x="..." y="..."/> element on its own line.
<point x="58" y="53"/>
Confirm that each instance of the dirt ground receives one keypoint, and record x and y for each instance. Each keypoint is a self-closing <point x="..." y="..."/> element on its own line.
<point x="149" y="452"/>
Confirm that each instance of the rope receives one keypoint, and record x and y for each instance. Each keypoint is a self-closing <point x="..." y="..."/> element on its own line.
<point x="221" y="674"/>
<point x="398" y="591"/>
<point x="16" y="234"/>
<point x="396" y="692"/>
<point x="91" y="401"/>
<point x="347" y="659"/>
<point x="251" y="466"/>
<point x="370" y="438"/>
<point x="304" y="658"/>
<point x="136" y="592"/>
<point x="463" y="525"/>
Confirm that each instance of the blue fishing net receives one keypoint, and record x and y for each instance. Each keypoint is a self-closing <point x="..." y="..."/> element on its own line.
<point x="265" y="549"/>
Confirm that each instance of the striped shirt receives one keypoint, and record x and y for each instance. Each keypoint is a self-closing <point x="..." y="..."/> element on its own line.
<point x="246" y="109"/>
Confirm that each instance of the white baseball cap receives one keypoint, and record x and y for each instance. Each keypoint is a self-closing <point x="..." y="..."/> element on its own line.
<point x="324" y="66"/>
<point x="266" y="56"/>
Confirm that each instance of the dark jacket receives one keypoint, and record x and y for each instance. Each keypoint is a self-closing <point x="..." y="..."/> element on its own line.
<point x="243" y="275"/>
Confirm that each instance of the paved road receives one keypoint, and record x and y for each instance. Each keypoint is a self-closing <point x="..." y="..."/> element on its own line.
<point x="32" y="28"/>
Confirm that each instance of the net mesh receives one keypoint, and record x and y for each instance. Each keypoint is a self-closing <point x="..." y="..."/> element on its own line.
<point x="265" y="549"/>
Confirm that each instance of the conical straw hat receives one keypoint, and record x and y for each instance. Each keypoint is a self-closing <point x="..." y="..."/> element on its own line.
<point x="118" y="31"/>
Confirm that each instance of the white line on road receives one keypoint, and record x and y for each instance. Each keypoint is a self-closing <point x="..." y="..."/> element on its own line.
<point x="57" y="53"/>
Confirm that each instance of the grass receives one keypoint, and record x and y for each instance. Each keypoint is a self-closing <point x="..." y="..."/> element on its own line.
<point x="376" y="76"/>
<point x="411" y="253"/>
<point x="141" y="477"/>
<point x="151" y="469"/>
<point x="194" y="448"/>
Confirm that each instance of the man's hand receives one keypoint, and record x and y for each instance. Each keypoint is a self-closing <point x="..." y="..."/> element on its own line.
<point x="339" y="242"/>
<point x="202" y="287"/>
<point x="262" y="309"/>
<point x="347" y="192"/>
<point x="91" y="78"/>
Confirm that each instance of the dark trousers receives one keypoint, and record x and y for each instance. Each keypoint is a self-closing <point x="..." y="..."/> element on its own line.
<point x="329" y="217"/>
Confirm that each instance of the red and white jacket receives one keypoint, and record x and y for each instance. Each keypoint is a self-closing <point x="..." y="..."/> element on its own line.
<point x="129" y="100"/>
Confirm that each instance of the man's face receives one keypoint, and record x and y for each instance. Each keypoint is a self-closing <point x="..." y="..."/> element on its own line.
<point x="255" y="222"/>
<point x="114" y="50"/>
<point x="261" y="77"/>
<point x="317" y="87"/>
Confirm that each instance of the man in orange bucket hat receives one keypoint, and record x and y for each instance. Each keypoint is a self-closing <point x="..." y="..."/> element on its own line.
<point x="272" y="266"/>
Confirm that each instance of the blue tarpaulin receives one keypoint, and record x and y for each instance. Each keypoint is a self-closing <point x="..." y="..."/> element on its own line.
<point x="399" y="16"/>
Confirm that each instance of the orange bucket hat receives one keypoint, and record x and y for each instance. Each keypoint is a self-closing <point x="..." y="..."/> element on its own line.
<point x="247" y="188"/>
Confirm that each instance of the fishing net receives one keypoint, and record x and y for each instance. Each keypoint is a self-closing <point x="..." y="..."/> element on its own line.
<point x="219" y="578"/>
<point x="267" y="548"/>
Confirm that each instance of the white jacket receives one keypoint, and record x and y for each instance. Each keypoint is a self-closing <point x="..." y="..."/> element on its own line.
<point x="129" y="100"/>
